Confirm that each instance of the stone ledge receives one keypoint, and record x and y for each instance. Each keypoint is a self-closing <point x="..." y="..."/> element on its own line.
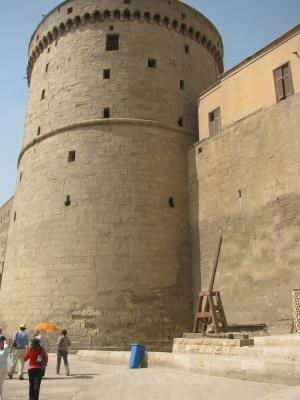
<point x="279" y="370"/>
<point x="104" y="122"/>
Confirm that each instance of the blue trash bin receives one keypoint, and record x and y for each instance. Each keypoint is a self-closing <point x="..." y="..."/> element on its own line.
<point x="136" y="355"/>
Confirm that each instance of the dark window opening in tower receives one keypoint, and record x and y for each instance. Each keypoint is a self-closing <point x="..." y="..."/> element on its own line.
<point x="68" y="201"/>
<point x="38" y="131"/>
<point x="71" y="156"/>
<point x="112" y="42"/>
<point x="187" y="49"/>
<point x="180" y="122"/>
<point x="171" y="202"/>
<point x="70" y="10"/>
<point x="111" y="27"/>
<point x="151" y="63"/>
<point x="47" y="67"/>
<point x="15" y="216"/>
<point x="106" y="74"/>
<point x="49" y="48"/>
<point x="43" y="94"/>
<point x="182" y="85"/>
<point x="106" y="112"/>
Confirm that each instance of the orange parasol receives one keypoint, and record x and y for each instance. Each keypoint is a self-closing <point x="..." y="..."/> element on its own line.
<point x="46" y="326"/>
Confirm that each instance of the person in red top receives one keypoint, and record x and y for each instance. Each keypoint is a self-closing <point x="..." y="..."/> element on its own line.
<point x="38" y="359"/>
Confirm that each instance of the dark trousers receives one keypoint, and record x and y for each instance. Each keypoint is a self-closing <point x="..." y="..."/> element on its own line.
<point x="35" y="377"/>
<point x="62" y="354"/>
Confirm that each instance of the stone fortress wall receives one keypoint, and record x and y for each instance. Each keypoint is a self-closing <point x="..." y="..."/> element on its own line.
<point x="244" y="184"/>
<point x="100" y="237"/>
<point x="5" y="219"/>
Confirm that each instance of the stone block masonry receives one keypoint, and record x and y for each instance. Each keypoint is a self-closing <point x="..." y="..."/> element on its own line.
<point x="101" y="242"/>
<point x="244" y="183"/>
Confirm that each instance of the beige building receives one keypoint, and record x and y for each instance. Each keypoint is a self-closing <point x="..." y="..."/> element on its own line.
<point x="118" y="209"/>
<point x="268" y="76"/>
<point x="244" y="184"/>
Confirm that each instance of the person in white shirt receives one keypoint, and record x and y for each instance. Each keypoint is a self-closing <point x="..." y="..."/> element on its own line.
<point x="43" y="340"/>
<point x="4" y="352"/>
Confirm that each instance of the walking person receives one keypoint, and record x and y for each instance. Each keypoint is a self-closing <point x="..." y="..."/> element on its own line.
<point x="4" y="352"/>
<point x="62" y="351"/>
<point x="43" y="340"/>
<point x="38" y="359"/>
<point x="20" y="342"/>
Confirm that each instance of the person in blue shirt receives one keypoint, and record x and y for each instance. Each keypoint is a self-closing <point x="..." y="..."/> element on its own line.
<point x="4" y="352"/>
<point x="20" y="342"/>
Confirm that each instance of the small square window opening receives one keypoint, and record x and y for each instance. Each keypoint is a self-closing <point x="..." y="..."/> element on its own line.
<point x="70" y="10"/>
<point x="151" y="63"/>
<point x="106" y="112"/>
<point x="112" y="42"/>
<point x="71" y="156"/>
<point x="106" y="74"/>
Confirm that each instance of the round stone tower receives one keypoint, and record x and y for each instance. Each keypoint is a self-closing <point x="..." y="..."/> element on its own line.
<point x="99" y="238"/>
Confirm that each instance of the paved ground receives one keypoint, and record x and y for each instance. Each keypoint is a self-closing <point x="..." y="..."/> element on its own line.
<point x="91" y="381"/>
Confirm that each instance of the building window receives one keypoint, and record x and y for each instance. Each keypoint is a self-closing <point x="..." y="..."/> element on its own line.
<point x="38" y="131"/>
<point x="187" y="49"/>
<point x="49" y="48"/>
<point x="106" y="112"/>
<point x="112" y="42"/>
<point x="106" y="74"/>
<point x="171" y="202"/>
<point x="15" y="216"/>
<point x="283" y="82"/>
<point x="43" y="94"/>
<point x="214" y="122"/>
<point x="151" y="63"/>
<point x="111" y="27"/>
<point x="71" y="156"/>
<point x="181" y="85"/>
<point x="70" y="10"/>
<point x="180" y="122"/>
<point x="47" y="67"/>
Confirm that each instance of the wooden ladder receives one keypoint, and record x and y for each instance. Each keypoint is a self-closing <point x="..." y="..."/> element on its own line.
<point x="210" y="312"/>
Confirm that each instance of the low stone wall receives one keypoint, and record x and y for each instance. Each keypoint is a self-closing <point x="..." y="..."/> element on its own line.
<point x="263" y="369"/>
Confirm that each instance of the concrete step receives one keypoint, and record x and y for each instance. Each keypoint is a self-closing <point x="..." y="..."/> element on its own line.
<point x="278" y="340"/>
<point x="238" y="347"/>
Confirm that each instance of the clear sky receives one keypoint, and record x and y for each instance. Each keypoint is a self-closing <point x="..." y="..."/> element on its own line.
<point x="245" y="26"/>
